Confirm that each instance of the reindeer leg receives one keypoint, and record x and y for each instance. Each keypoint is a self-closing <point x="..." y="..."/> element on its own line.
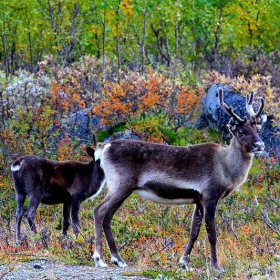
<point x="66" y="214"/>
<point x="75" y="216"/>
<point x="98" y="221"/>
<point x="19" y="214"/>
<point x="103" y="214"/>
<point x="210" y="210"/>
<point x="195" y="228"/>
<point x="115" y="256"/>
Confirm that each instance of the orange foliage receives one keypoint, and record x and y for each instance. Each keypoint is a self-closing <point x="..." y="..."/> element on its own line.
<point x="247" y="230"/>
<point x="188" y="98"/>
<point x="65" y="149"/>
<point x="66" y="97"/>
<point x="139" y="96"/>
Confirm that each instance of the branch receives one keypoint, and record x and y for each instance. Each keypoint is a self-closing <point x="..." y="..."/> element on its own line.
<point x="269" y="223"/>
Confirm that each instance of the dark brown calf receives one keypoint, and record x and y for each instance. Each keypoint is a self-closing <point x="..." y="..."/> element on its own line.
<point x="51" y="182"/>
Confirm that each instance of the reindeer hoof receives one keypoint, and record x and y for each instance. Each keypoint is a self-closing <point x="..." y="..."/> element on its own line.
<point x="184" y="264"/>
<point x="98" y="261"/>
<point x="217" y="267"/>
<point x="119" y="263"/>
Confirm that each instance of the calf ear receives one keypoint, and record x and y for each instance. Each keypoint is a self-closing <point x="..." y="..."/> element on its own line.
<point x="94" y="139"/>
<point x="90" y="151"/>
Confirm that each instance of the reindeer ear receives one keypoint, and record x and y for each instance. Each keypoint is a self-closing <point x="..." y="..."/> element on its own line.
<point x="94" y="139"/>
<point x="90" y="151"/>
<point x="263" y="118"/>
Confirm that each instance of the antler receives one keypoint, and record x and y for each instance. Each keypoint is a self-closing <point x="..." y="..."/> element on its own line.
<point x="249" y="105"/>
<point x="228" y="109"/>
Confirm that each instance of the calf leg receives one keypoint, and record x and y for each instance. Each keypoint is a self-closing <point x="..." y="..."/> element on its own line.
<point x="195" y="228"/>
<point x="34" y="201"/>
<point x="19" y="214"/>
<point x="75" y="217"/>
<point x="65" y="217"/>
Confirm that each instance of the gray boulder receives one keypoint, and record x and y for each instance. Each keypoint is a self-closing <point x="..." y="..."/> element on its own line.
<point x="270" y="134"/>
<point x="123" y="135"/>
<point x="80" y="125"/>
<point x="213" y="116"/>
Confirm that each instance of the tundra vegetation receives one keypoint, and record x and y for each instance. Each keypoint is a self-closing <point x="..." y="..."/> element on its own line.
<point x="146" y="74"/>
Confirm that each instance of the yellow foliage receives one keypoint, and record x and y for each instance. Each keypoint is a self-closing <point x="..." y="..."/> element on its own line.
<point x="126" y="7"/>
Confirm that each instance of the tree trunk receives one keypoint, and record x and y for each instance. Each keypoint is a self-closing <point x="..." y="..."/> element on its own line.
<point x="6" y="55"/>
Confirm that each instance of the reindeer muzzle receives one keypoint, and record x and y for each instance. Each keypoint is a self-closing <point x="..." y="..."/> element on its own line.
<point x="258" y="148"/>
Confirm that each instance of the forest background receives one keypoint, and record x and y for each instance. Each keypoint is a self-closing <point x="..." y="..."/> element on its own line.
<point x="143" y="67"/>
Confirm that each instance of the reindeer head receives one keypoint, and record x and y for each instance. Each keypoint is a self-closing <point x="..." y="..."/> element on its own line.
<point x="246" y="130"/>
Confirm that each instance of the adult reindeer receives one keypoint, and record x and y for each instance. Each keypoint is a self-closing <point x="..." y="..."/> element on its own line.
<point x="200" y="174"/>
<point x="51" y="182"/>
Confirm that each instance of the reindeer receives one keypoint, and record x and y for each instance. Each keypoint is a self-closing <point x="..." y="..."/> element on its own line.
<point x="201" y="174"/>
<point x="51" y="182"/>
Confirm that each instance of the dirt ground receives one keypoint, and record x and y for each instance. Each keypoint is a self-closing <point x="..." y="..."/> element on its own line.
<point x="54" y="270"/>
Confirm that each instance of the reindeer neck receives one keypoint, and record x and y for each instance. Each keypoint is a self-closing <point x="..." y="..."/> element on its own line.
<point x="238" y="161"/>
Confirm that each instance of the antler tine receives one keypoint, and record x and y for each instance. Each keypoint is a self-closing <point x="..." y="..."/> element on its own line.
<point x="250" y="97"/>
<point x="249" y="105"/>
<point x="228" y="109"/>
<point x="261" y="107"/>
<point x="221" y="100"/>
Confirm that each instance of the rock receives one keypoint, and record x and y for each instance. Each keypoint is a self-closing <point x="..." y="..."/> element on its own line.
<point x="127" y="134"/>
<point x="270" y="134"/>
<point x="213" y="116"/>
<point x="80" y="125"/>
<point x="37" y="266"/>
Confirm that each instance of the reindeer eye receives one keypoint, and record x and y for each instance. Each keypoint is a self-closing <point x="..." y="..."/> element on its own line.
<point x="241" y="132"/>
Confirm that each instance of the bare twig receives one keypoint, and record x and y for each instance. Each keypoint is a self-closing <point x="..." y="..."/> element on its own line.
<point x="269" y="223"/>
